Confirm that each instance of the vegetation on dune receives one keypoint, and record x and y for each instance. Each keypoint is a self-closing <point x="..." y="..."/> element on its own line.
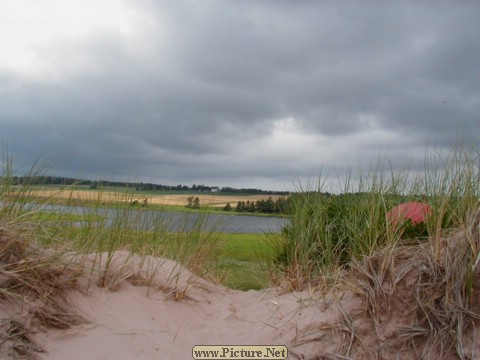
<point x="428" y="271"/>
<point x="418" y="279"/>
<point x="43" y="254"/>
<point x="32" y="279"/>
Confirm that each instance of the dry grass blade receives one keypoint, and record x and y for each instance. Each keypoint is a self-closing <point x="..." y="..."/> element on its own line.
<point x="16" y="341"/>
<point x="339" y="338"/>
<point x="11" y="249"/>
<point x="415" y="304"/>
<point x="32" y="284"/>
<point x="55" y="315"/>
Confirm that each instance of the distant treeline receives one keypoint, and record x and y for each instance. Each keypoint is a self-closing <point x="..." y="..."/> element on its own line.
<point x="268" y="206"/>
<point x="252" y="191"/>
<point x="139" y="186"/>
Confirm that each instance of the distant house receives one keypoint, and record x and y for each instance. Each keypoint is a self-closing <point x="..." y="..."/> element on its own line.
<point x="215" y="189"/>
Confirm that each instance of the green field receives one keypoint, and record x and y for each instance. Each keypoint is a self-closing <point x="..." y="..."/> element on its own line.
<point x="245" y="259"/>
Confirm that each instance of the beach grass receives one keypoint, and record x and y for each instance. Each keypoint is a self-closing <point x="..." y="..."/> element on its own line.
<point x="346" y="241"/>
<point x="330" y="230"/>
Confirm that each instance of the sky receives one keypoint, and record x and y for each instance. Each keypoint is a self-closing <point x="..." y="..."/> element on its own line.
<point x="260" y="94"/>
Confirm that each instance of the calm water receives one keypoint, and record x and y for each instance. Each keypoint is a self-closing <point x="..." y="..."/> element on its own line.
<point x="176" y="221"/>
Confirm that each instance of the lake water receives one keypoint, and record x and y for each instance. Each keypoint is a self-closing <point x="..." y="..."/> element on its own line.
<point x="177" y="221"/>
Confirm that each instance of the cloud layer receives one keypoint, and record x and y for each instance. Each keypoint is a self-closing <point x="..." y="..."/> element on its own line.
<point x="245" y="93"/>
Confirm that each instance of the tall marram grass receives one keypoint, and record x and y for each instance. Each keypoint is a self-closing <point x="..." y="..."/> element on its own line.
<point x="329" y="231"/>
<point x="190" y="242"/>
<point x="32" y="279"/>
<point x="420" y="283"/>
<point x="42" y="256"/>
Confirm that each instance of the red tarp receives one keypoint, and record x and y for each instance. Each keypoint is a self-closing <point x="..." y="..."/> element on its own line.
<point x="416" y="212"/>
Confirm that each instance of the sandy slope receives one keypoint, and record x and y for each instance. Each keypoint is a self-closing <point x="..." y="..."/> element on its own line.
<point x="136" y="322"/>
<point x="128" y="320"/>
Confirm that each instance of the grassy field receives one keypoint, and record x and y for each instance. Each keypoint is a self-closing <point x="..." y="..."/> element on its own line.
<point x="244" y="260"/>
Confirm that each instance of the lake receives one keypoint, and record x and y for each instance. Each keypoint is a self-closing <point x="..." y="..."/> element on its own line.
<point x="177" y="221"/>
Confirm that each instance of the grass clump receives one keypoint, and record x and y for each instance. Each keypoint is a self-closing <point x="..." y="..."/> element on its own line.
<point x="329" y="231"/>
<point x="419" y="284"/>
<point x="32" y="285"/>
<point x="413" y="304"/>
<point x="42" y="256"/>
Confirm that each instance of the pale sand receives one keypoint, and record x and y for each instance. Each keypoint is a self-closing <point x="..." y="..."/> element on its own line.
<point x="128" y="320"/>
<point x="136" y="322"/>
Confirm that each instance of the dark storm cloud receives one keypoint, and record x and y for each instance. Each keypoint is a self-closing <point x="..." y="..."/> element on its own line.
<point x="222" y="91"/>
<point x="327" y="64"/>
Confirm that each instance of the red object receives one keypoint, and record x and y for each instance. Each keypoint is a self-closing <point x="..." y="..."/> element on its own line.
<point x="416" y="212"/>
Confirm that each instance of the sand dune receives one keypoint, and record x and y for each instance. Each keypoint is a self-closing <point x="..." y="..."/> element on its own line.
<point x="153" y="308"/>
<point x="167" y="319"/>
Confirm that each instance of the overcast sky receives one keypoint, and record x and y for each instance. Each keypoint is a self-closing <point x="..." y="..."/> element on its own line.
<point x="235" y="93"/>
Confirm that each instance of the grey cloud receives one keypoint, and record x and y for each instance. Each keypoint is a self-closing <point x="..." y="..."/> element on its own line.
<point x="211" y="85"/>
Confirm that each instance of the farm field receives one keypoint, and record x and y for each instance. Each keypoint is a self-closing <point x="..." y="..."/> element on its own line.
<point x="163" y="198"/>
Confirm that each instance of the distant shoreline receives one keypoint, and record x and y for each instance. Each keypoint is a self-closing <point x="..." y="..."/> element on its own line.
<point x="165" y="201"/>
